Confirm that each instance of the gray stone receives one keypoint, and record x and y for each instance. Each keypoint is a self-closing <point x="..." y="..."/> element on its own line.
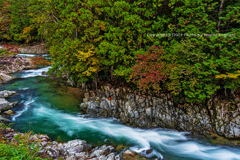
<point x="102" y="157"/>
<point x="93" y="105"/>
<point x="235" y="114"/>
<point x="4" y="77"/>
<point x="104" y="104"/>
<point x="5" y="105"/>
<point x="111" y="156"/>
<point x="5" y="95"/>
<point x="113" y="103"/>
<point x="72" y="157"/>
<point x="236" y="131"/>
<point x="96" y="153"/>
<point x="82" y="155"/>
<point x="149" y="111"/>
<point x="118" y="157"/>
<point x="141" y="100"/>
<point x="44" y="144"/>
<point x="136" y="114"/>
<point x="83" y="105"/>
<point x="3" y="119"/>
<point x="131" y="114"/>
<point x="71" y="82"/>
<point x="130" y="105"/>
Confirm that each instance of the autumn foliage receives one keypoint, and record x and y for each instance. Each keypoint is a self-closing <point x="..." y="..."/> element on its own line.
<point x="11" y="48"/>
<point x="150" y="70"/>
<point x="189" y="48"/>
<point x="40" y="61"/>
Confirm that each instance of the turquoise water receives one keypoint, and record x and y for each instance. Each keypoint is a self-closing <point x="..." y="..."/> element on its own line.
<point x="52" y="108"/>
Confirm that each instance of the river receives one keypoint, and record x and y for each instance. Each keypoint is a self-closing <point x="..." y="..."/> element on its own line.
<point x="48" y="107"/>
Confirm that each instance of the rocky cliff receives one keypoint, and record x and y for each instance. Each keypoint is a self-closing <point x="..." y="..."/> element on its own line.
<point x="147" y="111"/>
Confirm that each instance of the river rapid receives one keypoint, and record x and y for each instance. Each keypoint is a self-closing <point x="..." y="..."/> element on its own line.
<point x="49" y="107"/>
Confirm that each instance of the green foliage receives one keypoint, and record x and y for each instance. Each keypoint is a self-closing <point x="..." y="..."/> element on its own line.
<point x="196" y="60"/>
<point x="103" y="40"/>
<point x="5" y="19"/>
<point x="20" y="149"/>
<point x="16" y="21"/>
<point x="231" y="80"/>
<point x="4" y="52"/>
<point x="13" y="152"/>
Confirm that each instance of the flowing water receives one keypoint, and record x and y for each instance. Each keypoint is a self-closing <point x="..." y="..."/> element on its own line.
<point x="49" y="107"/>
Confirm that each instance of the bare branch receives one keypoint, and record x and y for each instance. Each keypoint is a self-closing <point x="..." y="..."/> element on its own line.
<point x="54" y="16"/>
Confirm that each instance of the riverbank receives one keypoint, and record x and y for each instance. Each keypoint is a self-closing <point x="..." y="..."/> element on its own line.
<point x="11" y="64"/>
<point x="71" y="150"/>
<point x="138" y="109"/>
<point x="52" y="109"/>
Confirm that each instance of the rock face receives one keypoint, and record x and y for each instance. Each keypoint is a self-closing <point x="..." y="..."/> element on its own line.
<point x="36" y="49"/>
<point x="11" y="64"/>
<point x="137" y="109"/>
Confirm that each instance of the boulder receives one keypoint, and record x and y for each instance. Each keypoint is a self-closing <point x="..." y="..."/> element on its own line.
<point x="93" y="105"/>
<point x="3" y="119"/>
<point x="9" y="112"/>
<point x="44" y="73"/>
<point x="6" y="94"/>
<point x="4" y="78"/>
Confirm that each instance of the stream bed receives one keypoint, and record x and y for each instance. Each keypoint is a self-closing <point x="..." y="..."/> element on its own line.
<point x="48" y="107"/>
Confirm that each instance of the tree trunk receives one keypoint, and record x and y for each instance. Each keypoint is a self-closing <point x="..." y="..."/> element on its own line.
<point x="96" y="80"/>
<point x="220" y="12"/>
<point x="112" y="72"/>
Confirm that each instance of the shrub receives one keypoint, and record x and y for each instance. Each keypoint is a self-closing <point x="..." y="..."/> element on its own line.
<point x="11" y="48"/>
<point x="150" y="70"/>
<point x="4" y="52"/>
<point x="19" y="149"/>
<point x="41" y="61"/>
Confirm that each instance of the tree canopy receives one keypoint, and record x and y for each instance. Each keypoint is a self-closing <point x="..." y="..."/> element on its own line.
<point x="187" y="47"/>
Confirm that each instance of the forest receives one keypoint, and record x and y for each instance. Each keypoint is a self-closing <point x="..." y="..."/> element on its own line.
<point x="189" y="48"/>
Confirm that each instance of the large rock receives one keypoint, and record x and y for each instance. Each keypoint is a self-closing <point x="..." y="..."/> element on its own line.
<point x="6" y="94"/>
<point x="11" y="64"/>
<point x="93" y="105"/>
<point x="9" y="112"/>
<point x="3" y="119"/>
<point x="4" y="104"/>
<point x="4" y="78"/>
